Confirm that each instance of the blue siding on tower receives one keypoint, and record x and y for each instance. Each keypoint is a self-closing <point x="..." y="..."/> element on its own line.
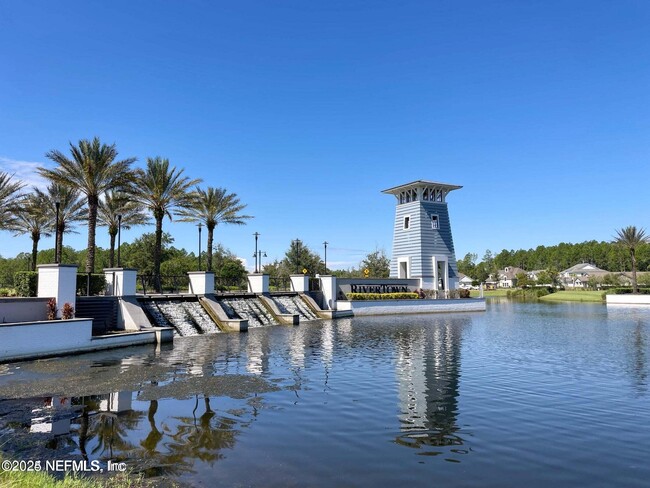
<point x="420" y="241"/>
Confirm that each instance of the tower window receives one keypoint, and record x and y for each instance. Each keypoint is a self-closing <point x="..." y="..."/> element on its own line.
<point x="434" y="221"/>
<point x="407" y="222"/>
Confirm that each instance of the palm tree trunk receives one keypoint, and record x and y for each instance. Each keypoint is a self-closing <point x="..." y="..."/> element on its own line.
<point x="635" y="288"/>
<point x="93" y="202"/>
<point x="111" y="252"/>
<point x="157" y="251"/>
<point x="35" y="239"/>
<point x="59" y="242"/>
<point x="210" y="239"/>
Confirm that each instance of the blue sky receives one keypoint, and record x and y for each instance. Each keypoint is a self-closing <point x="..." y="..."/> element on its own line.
<point x="308" y="109"/>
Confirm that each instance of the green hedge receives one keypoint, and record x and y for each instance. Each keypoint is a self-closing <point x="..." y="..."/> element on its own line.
<point x="529" y="293"/>
<point x="382" y="296"/>
<point x="627" y="291"/>
<point x="26" y="283"/>
<point x="97" y="284"/>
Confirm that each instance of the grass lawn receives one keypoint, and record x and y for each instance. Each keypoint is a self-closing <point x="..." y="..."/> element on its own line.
<point x="558" y="296"/>
<point x="574" y="296"/>
<point x="489" y="293"/>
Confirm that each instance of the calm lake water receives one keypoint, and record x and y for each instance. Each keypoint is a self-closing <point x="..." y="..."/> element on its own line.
<point x="522" y="395"/>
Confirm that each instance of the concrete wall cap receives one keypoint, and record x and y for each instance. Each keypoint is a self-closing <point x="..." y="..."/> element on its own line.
<point x="53" y="266"/>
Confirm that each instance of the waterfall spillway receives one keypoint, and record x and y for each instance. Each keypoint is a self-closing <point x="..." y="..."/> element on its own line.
<point x="200" y="317"/>
<point x="250" y="309"/>
<point x="293" y="304"/>
<point x="187" y="317"/>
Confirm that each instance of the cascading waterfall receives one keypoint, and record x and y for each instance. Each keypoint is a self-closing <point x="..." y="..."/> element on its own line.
<point x="200" y="317"/>
<point x="250" y="309"/>
<point x="178" y="316"/>
<point x="188" y="318"/>
<point x="293" y="304"/>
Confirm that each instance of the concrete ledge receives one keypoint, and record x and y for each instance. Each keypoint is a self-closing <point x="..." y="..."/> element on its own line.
<point x="399" y="307"/>
<point x="282" y="318"/>
<point x="219" y="316"/>
<point x="28" y="340"/>
<point x="313" y="306"/>
<point x="627" y="299"/>
<point x="153" y="335"/>
<point x="131" y="316"/>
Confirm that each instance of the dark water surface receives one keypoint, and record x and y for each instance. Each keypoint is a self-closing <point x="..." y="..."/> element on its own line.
<point x="522" y="395"/>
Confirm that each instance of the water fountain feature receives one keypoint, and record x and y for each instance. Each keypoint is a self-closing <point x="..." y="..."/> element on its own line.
<point x="187" y="317"/>
<point x="293" y="304"/>
<point x="250" y="309"/>
<point x="200" y="317"/>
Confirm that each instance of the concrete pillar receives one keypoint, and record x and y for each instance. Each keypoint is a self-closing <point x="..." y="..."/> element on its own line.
<point x="299" y="283"/>
<point x="329" y="288"/>
<point x="58" y="281"/>
<point x="120" y="282"/>
<point x="201" y="282"/>
<point x="258" y="283"/>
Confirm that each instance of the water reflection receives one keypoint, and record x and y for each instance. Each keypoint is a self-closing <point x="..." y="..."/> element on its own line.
<point x="639" y="345"/>
<point x="635" y="342"/>
<point x="428" y="371"/>
<point x="353" y="400"/>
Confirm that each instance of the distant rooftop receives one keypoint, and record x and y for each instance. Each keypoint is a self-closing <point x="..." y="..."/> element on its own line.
<point x="419" y="183"/>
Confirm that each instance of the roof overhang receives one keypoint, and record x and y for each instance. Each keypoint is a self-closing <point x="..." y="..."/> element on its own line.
<point x="396" y="190"/>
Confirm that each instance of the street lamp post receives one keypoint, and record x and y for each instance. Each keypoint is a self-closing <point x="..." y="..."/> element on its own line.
<point x="257" y="234"/>
<point x="119" y="238"/>
<point x="200" y="226"/>
<point x="298" y="248"/>
<point x="57" y="204"/>
<point x="260" y="254"/>
<point x="325" y="244"/>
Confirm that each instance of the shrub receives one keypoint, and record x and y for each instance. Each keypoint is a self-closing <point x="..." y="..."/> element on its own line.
<point x="26" y="283"/>
<point x="541" y="292"/>
<point x="51" y="309"/>
<point x="382" y="296"/>
<point x="7" y="292"/>
<point x="68" y="311"/>
<point x="462" y="293"/>
<point x="529" y="293"/>
<point x="97" y="284"/>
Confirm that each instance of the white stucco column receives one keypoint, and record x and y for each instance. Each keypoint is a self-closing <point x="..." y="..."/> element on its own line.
<point x="60" y="282"/>
<point x="329" y="288"/>
<point x="120" y="282"/>
<point x="299" y="283"/>
<point x="258" y="283"/>
<point x="201" y="282"/>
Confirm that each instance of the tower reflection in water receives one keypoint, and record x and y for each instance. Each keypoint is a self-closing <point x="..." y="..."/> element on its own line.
<point x="428" y="374"/>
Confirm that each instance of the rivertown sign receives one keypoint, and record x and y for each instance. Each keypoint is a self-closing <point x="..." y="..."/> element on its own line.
<point x="383" y="288"/>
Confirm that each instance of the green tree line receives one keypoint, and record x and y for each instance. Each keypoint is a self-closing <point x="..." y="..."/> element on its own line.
<point x="610" y="256"/>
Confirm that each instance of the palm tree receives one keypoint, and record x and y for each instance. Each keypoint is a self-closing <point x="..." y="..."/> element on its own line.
<point x="162" y="190"/>
<point x="114" y="206"/>
<point x="71" y="209"/>
<point x="10" y="196"/>
<point x="92" y="170"/>
<point x="631" y="238"/>
<point x="212" y="207"/>
<point x="31" y="219"/>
